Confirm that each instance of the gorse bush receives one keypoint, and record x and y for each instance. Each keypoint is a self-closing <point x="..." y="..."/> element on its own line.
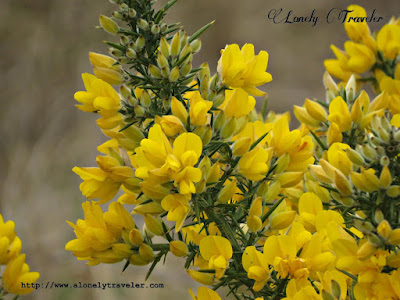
<point x="256" y="210"/>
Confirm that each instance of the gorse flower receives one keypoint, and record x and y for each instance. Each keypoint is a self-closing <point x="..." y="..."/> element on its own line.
<point x="251" y="205"/>
<point x="241" y="68"/>
<point x="16" y="278"/>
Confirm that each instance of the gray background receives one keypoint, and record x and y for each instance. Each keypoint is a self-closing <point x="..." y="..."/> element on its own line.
<point x="43" y="50"/>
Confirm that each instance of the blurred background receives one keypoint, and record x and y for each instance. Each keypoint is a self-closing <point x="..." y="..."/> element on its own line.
<point x="44" y="49"/>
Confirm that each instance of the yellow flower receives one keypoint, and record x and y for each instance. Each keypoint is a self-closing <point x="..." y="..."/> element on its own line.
<point x="299" y="147"/>
<point x="10" y="244"/>
<point x="253" y="220"/>
<point x="17" y="273"/>
<point x="357" y="31"/>
<point x="253" y="164"/>
<point x="170" y="125"/>
<point x="157" y="162"/>
<point x="388" y="40"/>
<point x="237" y="103"/>
<point x="178" y="207"/>
<point x="108" y="24"/>
<point x="106" y="68"/>
<point x="280" y="252"/>
<point x="97" y="234"/>
<point x="360" y="57"/>
<point x="256" y="266"/>
<point x="217" y="251"/>
<point x="102" y="98"/>
<point x="178" y="248"/>
<point x="204" y="293"/>
<point x="340" y="114"/>
<point x="241" y="68"/>
<point x="104" y="182"/>
<point x="309" y="206"/>
<point x="301" y="289"/>
<point x="252" y="131"/>
<point x="198" y="109"/>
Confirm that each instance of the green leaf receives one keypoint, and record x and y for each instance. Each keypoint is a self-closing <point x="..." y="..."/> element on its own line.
<point x="153" y="265"/>
<point x="199" y="32"/>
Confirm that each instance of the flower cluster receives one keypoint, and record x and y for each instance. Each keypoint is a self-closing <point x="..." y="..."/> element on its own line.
<point x="16" y="273"/>
<point x="252" y="206"/>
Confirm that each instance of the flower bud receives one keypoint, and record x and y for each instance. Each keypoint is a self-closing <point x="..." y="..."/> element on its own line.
<point x="103" y="61"/>
<point x="384" y="229"/>
<point x="254" y="223"/>
<point x="132" y="13"/>
<point x="282" y="163"/>
<point x="140" y="42"/>
<point x="137" y="260"/>
<point x="378" y="216"/>
<point x="241" y="146"/>
<point x="355" y="157"/>
<point x="154" y="71"/>
<point x="384" y="161"/>
<point x="175" y="45"/>
<point x="148" y="208"/>
<point x="165" y="72"/>
<point x="303" y="116"/>
<point x="122" y="250"/>
<point x="125" y="92"/>
<point x="108" y="75"/>
<point x="229" y="128"/>
<point x="139" y="111"/>
<point x="364" y="226"/>
<point x="282" y="220"/>
<point x="369" y="152"/>
<point x="202" y="277"/>
<point x="272" y="192"/>
<point x="186" y="68"/>
<point x="383" y="135"/>
<point x="206" y="137"/>
<point x="227" y="192"/>
<point x="130" y="53"/>
<point x="315" y="110"/>
<point x="393" y="191"/>
<point x="164" y="27"/>
<point x="374" y="239"/>
<point x="394" y="237"/>
<point x="351" y="88"/>
<point x="124" y="40"/>
<point x="178" y="248"/>
<point x="146" y="252"/>
<point x="123" y="6"/>
<point x="108" y="24"/>
<point x="196" y="45"/>
<point x="174" y="75"/>
<point x="329" y="83"/>
<point x="164" y="47"/>
<point x="171" y="125"/>
<point x="335" y="288"/>
<point x="117" y="15"/>
<point x="179" y="110"/>
<point x="365" y="250"/>
<point x="326" y="295"/>
<point x="114" y="52"/>
<point x="334" y="134"/>
<point x="342" y="183"/>
<point x="289" y="179"/>
<point x="153" y="224"/>
<point x="135" y="237"/>
<point x="155" y="29"/>
<point x="162" y="61"/>
<point x="385" y="179"/>
<point x="122" y="60"/>
<point x="142" y="23"/>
